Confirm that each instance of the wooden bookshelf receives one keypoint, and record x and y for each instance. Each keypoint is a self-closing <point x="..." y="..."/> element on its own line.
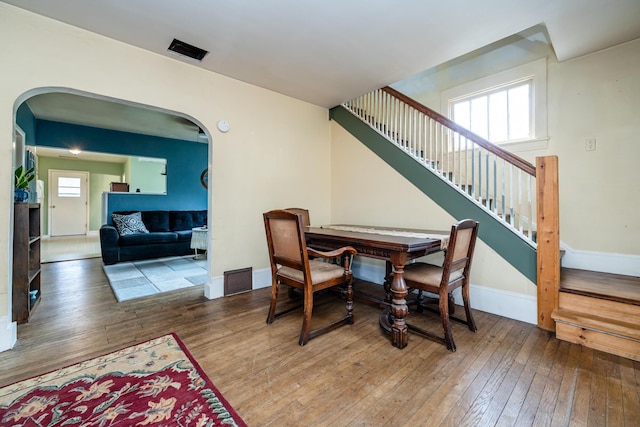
<point x="26" y="291"/>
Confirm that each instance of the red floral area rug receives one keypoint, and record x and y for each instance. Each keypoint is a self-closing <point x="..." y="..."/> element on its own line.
<point x="157" y="382"/>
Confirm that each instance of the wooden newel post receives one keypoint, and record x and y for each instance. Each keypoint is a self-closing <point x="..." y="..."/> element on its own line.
<point x="548" y="239"/>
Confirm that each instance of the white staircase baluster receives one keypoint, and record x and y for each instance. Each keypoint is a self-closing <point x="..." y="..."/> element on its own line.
<point x="451" y="153"/>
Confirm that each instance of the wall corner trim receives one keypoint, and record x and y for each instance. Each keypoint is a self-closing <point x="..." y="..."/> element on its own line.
<point x="9" y="335"/>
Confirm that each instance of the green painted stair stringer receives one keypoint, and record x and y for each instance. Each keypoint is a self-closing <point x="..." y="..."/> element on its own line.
<point x="517" y="252"/>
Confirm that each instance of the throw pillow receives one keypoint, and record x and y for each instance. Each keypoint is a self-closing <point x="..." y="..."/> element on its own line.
<point x="129" y="224"/>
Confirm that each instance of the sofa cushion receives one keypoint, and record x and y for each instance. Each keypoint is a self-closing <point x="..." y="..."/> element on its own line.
<point x="123" y="213"/>
<point x="129" y="224"/>
<point x="181" y="220"/>
<point x="199" y="218"/>
<point x="184" y="235"/>
<point x="144" y="239"/>
<point x="186" y="220"/>
<point x="156" y="220"/>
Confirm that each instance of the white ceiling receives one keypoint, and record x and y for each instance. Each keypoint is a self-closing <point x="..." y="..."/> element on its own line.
<point x="326" y="52"/>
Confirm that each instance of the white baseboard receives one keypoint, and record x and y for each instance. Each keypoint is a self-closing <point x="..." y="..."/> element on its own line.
<point x="9" y="334"/>
<point x="604" y="262"/>
<point x="369" y="270"/>
<point x="503" y="303"/>
<point x="261" y="278"/>
<point x="214" y="288"/>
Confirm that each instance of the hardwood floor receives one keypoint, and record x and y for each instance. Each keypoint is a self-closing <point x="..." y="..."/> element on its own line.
<point x="508" y="373"/>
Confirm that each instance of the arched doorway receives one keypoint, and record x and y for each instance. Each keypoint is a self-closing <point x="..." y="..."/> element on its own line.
<point x="45" y="113"/>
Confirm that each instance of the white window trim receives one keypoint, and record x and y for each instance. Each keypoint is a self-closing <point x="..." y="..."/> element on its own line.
<point x="537" y="71"/>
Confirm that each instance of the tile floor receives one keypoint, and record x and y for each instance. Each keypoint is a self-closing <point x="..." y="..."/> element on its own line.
<point x="138" y="279"/>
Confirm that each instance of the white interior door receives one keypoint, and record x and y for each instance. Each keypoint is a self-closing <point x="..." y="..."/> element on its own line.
<point x="68" y="207"/>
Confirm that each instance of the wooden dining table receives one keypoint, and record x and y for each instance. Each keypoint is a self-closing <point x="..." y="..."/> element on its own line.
<point x="397" y="246"/>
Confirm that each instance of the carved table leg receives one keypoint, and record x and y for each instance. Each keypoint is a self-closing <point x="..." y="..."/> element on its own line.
<point x="399" y="310"/>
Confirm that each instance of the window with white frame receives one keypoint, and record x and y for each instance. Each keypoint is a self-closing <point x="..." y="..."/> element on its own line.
<point x="499" y="115"/>
<point x="68" y="187"/>
<point x="505" y="108"/>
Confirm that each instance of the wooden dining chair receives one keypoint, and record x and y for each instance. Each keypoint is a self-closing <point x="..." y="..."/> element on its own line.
<point x="290" y="265"/>
<point x="306" y="222"/>
<point x="454" y="273"/>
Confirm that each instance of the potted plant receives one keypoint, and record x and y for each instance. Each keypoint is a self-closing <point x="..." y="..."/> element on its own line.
<point x="21" y="183"/>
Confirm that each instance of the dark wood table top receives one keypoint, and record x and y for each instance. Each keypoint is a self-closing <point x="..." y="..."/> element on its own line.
<point x="373" y="244"/>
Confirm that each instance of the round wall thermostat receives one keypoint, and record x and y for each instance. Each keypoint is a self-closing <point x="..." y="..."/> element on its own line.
<point x="223" y="126"/>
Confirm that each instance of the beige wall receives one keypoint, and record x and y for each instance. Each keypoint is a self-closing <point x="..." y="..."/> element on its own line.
<point x="595" y="96"/>
<point x="598" y="96"/>
<point x="277" y="153"/>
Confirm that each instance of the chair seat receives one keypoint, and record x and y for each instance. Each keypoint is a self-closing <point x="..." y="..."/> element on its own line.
<point x="428" y="274"/>
<point x="320" y="272"/>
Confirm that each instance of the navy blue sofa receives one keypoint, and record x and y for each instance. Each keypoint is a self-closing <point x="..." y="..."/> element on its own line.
<point x="169" y="235"/>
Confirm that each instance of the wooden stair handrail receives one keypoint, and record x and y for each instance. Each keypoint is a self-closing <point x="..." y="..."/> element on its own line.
<point x="495" y="149"/>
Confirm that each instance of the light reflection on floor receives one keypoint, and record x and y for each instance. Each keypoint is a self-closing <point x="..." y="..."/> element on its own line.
<point x="66" y="248"/>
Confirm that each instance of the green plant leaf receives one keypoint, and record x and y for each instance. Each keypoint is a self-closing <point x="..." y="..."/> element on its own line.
<point x="22" y="178"/>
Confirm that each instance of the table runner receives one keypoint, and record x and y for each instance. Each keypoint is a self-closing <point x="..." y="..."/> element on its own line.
<point x="444" y="238"/>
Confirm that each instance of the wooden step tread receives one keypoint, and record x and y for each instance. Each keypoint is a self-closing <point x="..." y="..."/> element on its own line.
<point x="616" y="327"/>
<point x="613" y="287"/>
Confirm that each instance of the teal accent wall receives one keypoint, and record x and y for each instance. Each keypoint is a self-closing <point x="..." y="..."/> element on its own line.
<point x="185" y="162"/>
<point x="27" y="122"/>
<point x="101" y="174"/>
<point x="507" y="244"/>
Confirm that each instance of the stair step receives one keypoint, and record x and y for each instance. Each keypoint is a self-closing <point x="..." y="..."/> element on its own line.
<point x="600" y="311"/>
<point x="614" y="336"/>
<point x="608" y="286"/>
<point x="595" y="322"/>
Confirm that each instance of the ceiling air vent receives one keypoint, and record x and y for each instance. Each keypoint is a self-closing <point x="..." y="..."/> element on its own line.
<point x="185" y="49"/>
